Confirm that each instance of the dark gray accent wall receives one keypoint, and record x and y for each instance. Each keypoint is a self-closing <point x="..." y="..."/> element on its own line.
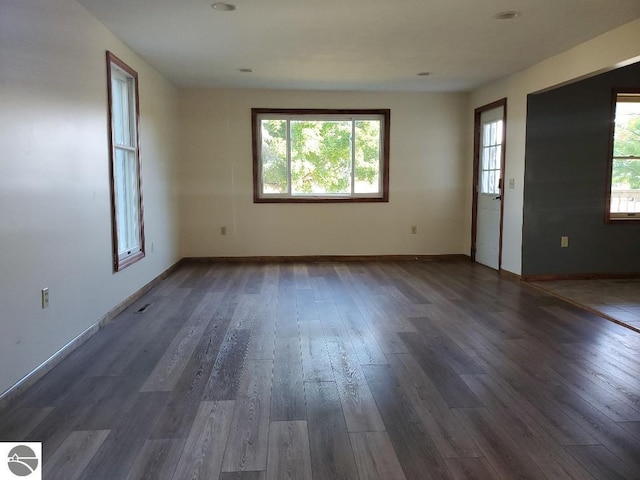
<point x="565" y="184"/>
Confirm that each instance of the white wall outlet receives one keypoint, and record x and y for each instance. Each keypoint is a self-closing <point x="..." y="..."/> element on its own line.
<point x="512" y="183"/>
<point x="564" y="242"/>
<point x="45" y="297"/>
<point x="414" y="229"/>
<point x="223" y="230"/>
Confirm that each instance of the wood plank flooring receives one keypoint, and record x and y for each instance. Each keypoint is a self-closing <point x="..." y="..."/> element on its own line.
<point x="326" y="371"/>
<point x="618" y="299"/>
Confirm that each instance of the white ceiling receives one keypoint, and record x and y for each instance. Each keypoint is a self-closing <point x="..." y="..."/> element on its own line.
<point x="353" y="44"/>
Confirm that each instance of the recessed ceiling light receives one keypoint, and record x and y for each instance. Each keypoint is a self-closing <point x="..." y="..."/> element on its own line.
<point x="223" y="7"/>
<point x="508" y="15"/>
<point x="423" y="74"/>
<point x="245" y="70"/>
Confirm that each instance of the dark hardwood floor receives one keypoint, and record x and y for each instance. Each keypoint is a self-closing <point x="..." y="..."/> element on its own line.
<point x="363" y="370"/>
<point x="615" y="298"/>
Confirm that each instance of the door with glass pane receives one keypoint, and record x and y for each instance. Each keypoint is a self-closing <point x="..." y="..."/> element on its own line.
<point x="490" y="129"/>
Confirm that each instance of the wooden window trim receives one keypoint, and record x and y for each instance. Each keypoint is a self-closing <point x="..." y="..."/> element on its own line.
<point x="608" y="218"/>
<point x="384" y="170"/>
<point x="118" y="263"/>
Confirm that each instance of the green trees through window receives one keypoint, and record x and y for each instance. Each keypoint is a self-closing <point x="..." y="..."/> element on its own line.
<point x="320" y="155"/>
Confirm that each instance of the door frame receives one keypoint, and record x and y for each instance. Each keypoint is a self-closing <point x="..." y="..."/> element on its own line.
<point x="477" y="113"/>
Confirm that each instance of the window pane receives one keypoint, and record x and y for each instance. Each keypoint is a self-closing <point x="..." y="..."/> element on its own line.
<point x="484" y="188"/>
<point x="127" y="201"/>
<point x="122" y="113"/>
<point x="625" y="186"/>
<point x="274" y="156"/>
<point x="485" y="159"/>
<point x="320" y="157"/>
<point x="496" y="182"/>
<point x="367" y="168"/>
<point x="499" y="132"/>
<point x="627" y="131"/>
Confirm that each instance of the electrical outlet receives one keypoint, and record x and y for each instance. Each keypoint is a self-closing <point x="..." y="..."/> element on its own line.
<point x="223" y="230"/>
<point x="414" y="229"/>
<point x="45" y="297"/>
<point x="512" y="183"/>
<point x="564" y="242"/>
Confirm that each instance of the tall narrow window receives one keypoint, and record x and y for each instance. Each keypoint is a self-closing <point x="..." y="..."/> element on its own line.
<point x="320" y="155"/>
<point x="624" y="198"/>
<point x="126" y="192"/>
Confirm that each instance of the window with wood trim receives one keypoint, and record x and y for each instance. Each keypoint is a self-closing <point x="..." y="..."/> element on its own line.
<point x="320" y="155"/>
<point x="624" y="193"/>
<point x="126" y="189"/>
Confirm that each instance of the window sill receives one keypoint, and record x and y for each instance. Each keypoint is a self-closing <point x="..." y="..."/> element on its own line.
<point x="321" y="200"/>
<point x="130" y="260"/>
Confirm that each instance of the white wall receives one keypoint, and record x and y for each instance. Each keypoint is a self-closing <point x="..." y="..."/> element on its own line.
<point x="54" y="179"/>
<point x="616" y="48"/>
<point x="429" y="180"/>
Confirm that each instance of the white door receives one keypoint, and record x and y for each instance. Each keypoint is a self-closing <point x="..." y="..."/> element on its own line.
<point x="489" y="187"/>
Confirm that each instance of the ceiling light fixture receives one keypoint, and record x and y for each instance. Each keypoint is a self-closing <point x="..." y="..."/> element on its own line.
<point x="245" y="70"/>
<point x="223" y="7"/>
<point x="423" y="74"/>
<point x="508" y="15"/>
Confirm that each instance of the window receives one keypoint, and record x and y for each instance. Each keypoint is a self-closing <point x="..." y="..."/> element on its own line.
<point x="320" y="155"/>
<point x="491" y="157"/>
<point x="126" y="193"/>
<point x="624" y="198"/>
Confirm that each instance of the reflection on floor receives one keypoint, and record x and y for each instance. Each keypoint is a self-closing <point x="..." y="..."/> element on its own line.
<point x="617" y="299"/>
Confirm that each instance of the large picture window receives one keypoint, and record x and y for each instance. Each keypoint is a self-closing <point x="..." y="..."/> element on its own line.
<point x="126" y="192"/>
<point x="320" y="155"/>
<point x="624" y="198"/>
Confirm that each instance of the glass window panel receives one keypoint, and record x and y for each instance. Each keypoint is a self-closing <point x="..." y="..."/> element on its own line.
<point x="123" y="113"/>
<point x="496" y="182"/>
<point x="367" y="156"/>
<point x="625" y="186"/>
<point x="274" y="156"/>
<point x="127" y="200"/>
<point x="485" y="158"/>
<point x="486" y="134"/>
<point x="627" y="129"/>
<point x="484" y="185"/>
<point x="320" y="157"/>
<point x="117" y="110"/>
<point x="499" y="132"/>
